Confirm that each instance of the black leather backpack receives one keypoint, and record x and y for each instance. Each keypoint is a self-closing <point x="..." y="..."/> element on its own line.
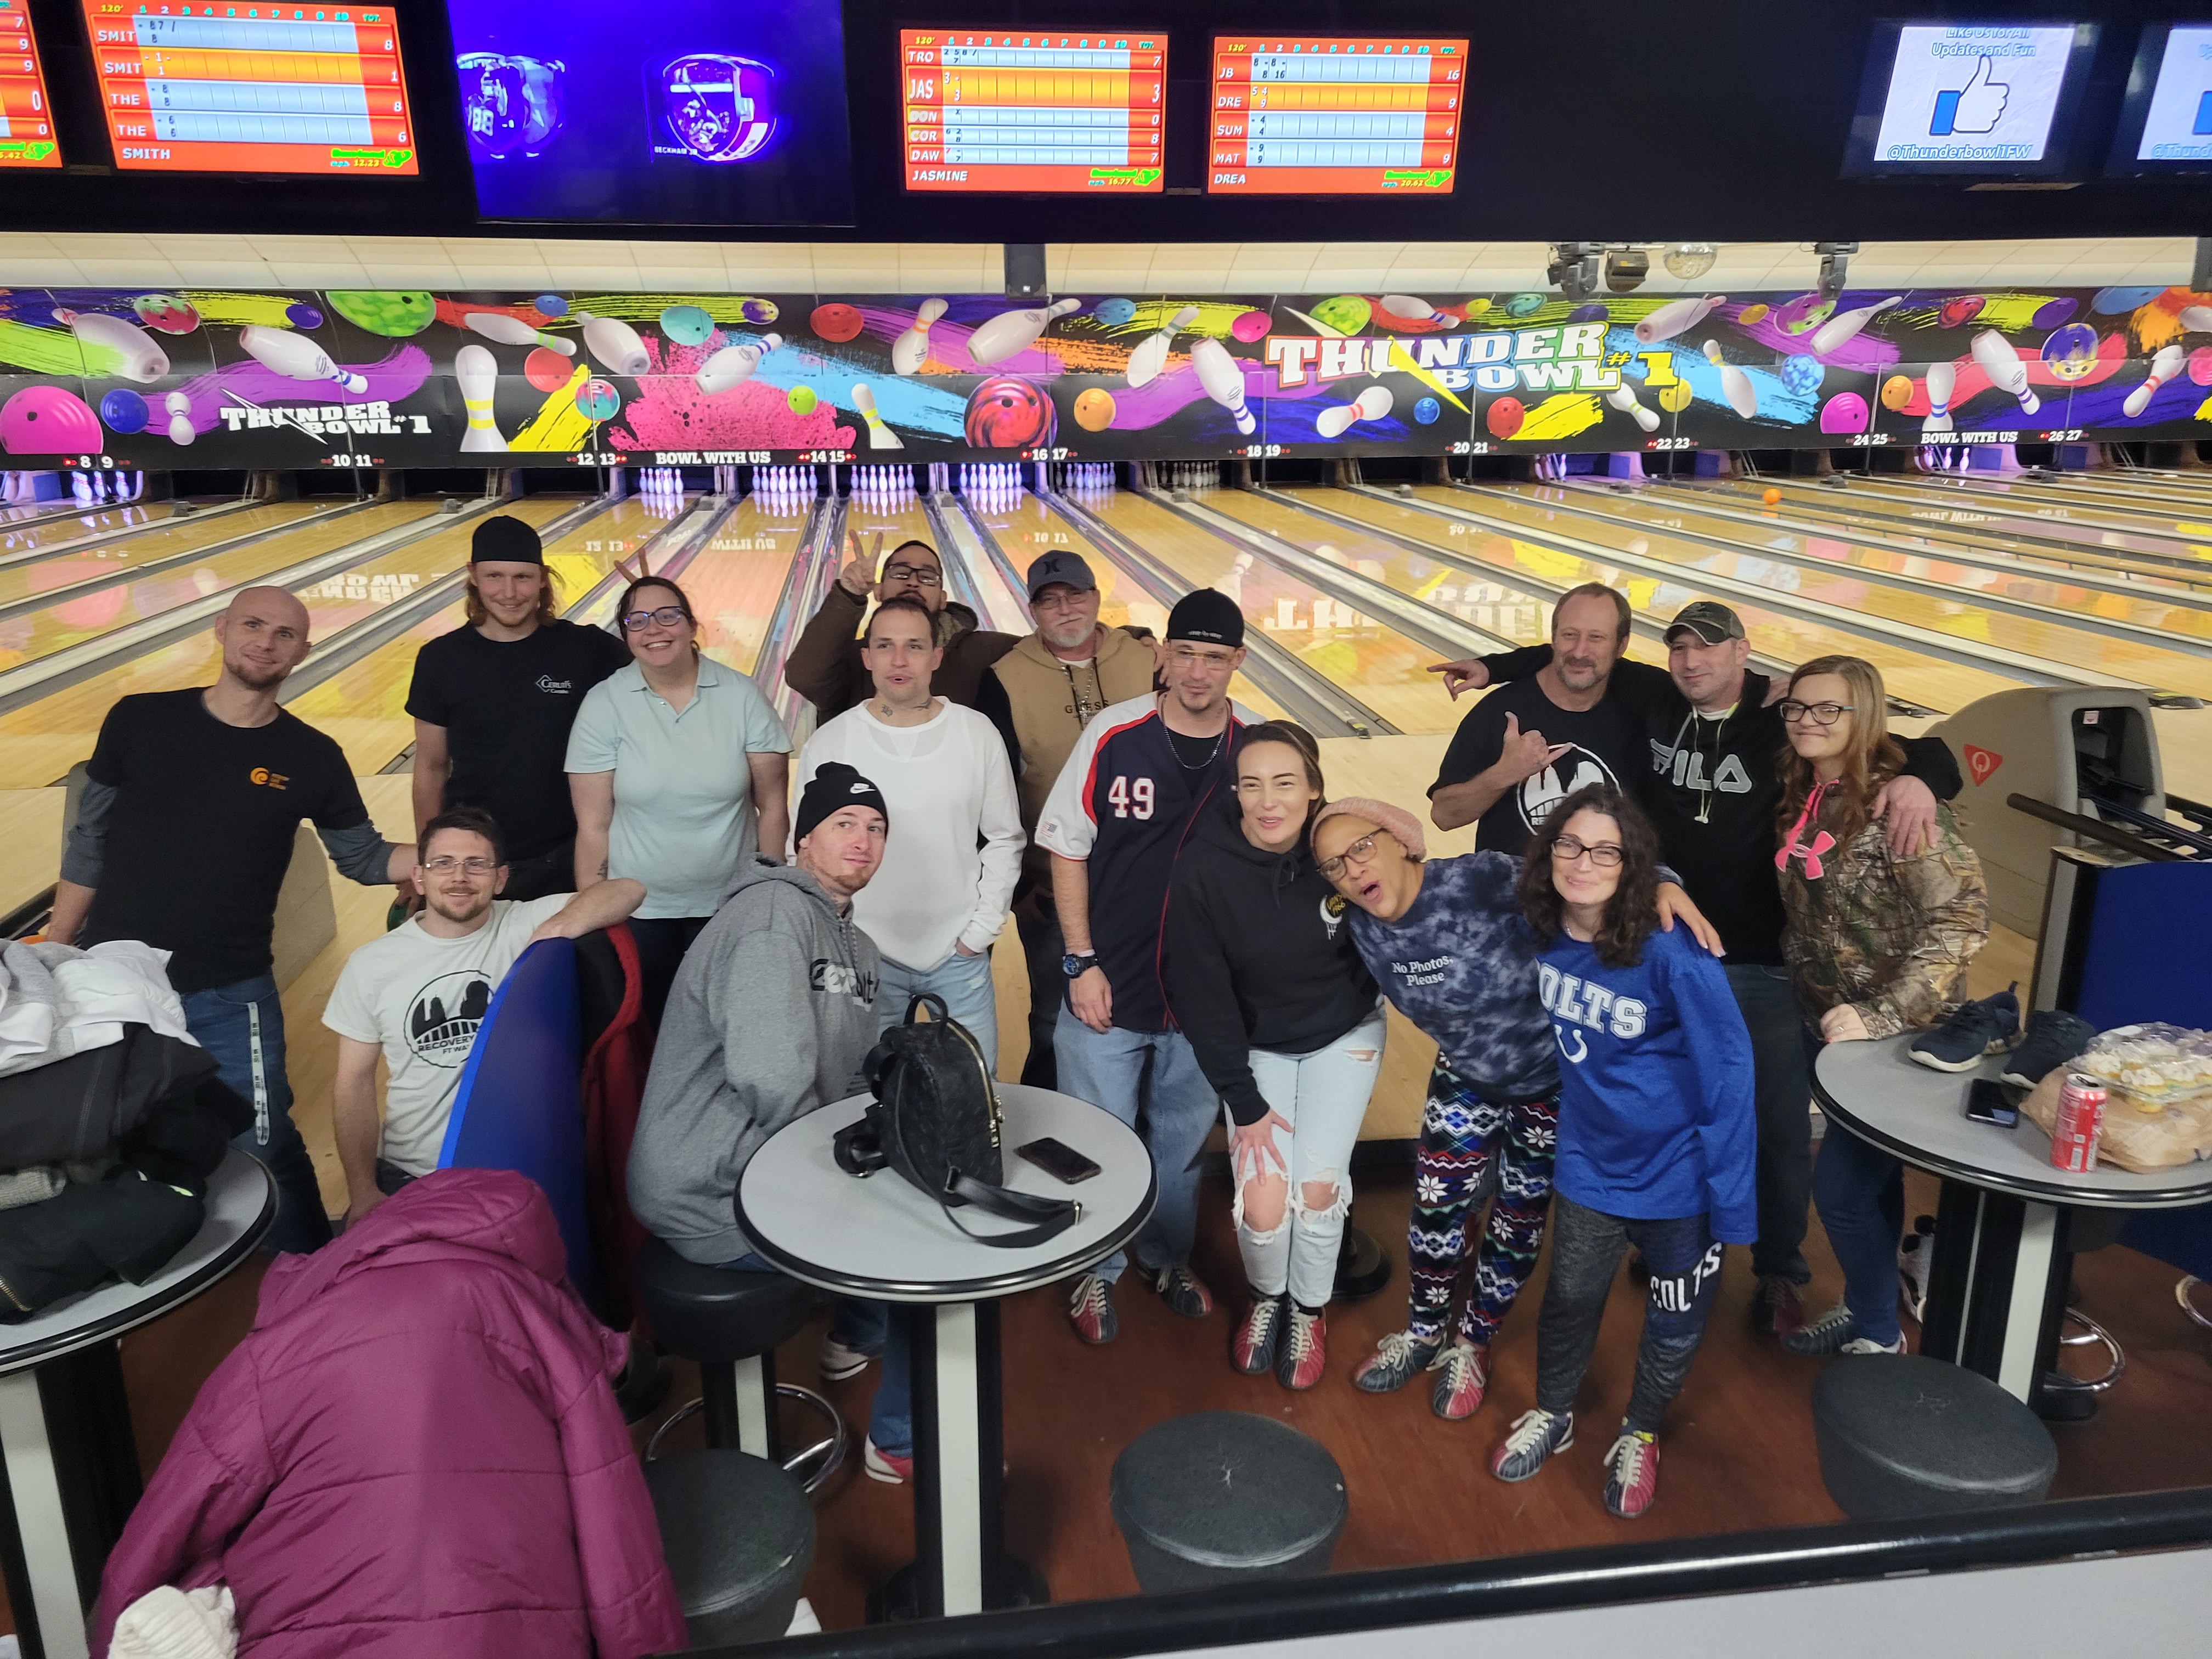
<point x="935" y="1120"/>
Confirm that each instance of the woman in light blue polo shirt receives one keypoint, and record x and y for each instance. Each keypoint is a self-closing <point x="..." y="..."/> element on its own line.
<point x="679" y="769"/>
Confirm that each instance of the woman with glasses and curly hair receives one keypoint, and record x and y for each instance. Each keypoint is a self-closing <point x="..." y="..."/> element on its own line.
<point x="1877" y="945"/>
<point x="1657" y="1137"/>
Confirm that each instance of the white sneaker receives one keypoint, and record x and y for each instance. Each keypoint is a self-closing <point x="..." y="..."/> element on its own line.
<point x="839" y="1361"/>
<point x="1867" y="1344"/>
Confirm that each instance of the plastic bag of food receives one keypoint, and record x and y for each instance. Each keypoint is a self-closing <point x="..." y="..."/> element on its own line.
<point x="2152" y="1066"/>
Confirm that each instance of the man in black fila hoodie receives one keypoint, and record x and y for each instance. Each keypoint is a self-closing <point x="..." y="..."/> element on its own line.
<point x="1711" y="792"/>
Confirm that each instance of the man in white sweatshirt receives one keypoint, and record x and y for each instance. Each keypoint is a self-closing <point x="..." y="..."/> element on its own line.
<point x="948" y="877"/>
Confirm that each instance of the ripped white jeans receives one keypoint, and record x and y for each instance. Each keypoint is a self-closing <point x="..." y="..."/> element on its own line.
<point x="1323" y="1097"/>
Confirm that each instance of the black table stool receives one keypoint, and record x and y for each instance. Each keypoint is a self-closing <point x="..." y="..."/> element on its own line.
<point x="1914" y="1435"/>
<point x="732" y="1323"/>
<point x="739" y="1534"/>
<point x="1222" y="1498"/>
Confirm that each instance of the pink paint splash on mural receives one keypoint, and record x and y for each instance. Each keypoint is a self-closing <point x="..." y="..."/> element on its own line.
<point x="398" y="376"/>
<point x="671" y="412"/>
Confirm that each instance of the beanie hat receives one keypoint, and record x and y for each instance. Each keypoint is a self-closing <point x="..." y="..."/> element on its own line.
<point x="1383" y="815"/>
<point x="505" y="539"/>
<point x="833" y="787"/>
<point x="1208" y="617"/>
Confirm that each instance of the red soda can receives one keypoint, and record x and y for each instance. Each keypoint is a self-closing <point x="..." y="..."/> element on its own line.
<point x="2080" y="1120"/>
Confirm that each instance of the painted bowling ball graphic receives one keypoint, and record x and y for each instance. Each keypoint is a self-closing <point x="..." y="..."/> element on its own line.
<point x="1504" y="417"/>
<point x="301" y="315"/>
<point x="2052" y="312"/>
<point x="2200" y="366"/>
<point x="1008" y="412"/>
<point x="687" y="324"/>
<point x="1846" y="412"/>
<point x="1347" y="313"/>
<point x="800" y="400"/>
<point x="1957" y="314"/>
<point x="165" y="313"/>
<point x="1800" y="374"/>
<point x="1896" y="392"/>
<point x="547" y="369"/>
<point x="1114" y="313"/>
<point x="1426" y="412"/>
<point x="45" y="420"/>
<point x="835" y="322"/>
<point x="1250" y="326"/>
<point x="1751" y="315"/>
<point x="2071" y="352"/>
<point x="393" y="313"/>
<point x="1094" y="408"/>
<point x="598" y="400"/>
<point x="124" y="411"/>
<point x="1525" y="305"/>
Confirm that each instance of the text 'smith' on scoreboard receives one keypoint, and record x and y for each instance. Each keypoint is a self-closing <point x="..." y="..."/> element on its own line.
<point x="27" y="115"/>
<point x="1334" y="116"/>
<point x="251" y="87"/>
<point x="1065" y="111"/>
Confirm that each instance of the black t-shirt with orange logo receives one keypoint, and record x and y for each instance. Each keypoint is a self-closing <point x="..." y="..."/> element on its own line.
<point x="202" y="828"/>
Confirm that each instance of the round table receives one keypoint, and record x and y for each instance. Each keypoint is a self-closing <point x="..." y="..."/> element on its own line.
<point x="885" y="1240"/>
<point x="72" y="1465"/>
<point x="1997" y="1289"/>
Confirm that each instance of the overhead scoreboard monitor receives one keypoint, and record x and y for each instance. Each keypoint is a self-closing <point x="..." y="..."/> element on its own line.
<point x="1072" y="111"/>
<point x="251" y="87"/>
<point x="27" y="115"/>
<point x="1306" y="115"/>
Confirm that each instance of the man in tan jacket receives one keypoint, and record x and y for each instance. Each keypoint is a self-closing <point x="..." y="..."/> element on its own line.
<point x="1042" y="693"/>
<point x="825" y="667"/>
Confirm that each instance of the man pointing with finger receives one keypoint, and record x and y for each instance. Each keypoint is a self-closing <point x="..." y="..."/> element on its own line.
<point x="825" y="665"/>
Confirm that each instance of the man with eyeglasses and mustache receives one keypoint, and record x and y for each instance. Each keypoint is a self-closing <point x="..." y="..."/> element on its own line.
<point x="826" y="665"/>
<point x="417" y="995"/>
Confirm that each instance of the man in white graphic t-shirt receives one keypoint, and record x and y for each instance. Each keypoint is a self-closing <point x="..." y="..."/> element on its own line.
<point x="417" y="995"/>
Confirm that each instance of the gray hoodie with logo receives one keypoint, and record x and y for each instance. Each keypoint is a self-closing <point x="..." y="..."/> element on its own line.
<point x="769" y="1018"/>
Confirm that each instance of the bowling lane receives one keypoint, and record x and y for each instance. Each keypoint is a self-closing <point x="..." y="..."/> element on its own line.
<point x="737" y="578"/>
<point x="2037" y="507"/>
<point x="23" y="531"/>
<point x="41" y="740"/>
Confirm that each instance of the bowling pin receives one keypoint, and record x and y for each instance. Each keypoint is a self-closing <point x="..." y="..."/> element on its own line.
<point x="2003" y="367"/>
<point x="1735" y="385"/>
<point x="1418" y="311"/>
<point x="1941" y="378"/>
<point x="513" y="331"/>
<point x="1224" y="381"/>
<point x="1014" y="331"/>
<point x="143" y="360"/>
<point x="616" y="344"/>
<point x="733" y="366"/>
<point x="80" y="487"/>
<point x="2198" y="319"/>
<point x="477" y="373"/>
<point x="1150" y="355"/>
<point x="179" y="408"/>
<point x="911" y="350"/>
<point x="1623" y="398"/>
<point x="1675" y="317"/>
<point x="2163" y="367"/>
<point x="879" y="435"/>
<point x="1840" y="331"/>
<point x="298" y="358"/>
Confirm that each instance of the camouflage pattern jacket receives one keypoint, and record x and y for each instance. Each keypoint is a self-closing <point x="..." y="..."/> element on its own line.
<point x="1892" y="937"/>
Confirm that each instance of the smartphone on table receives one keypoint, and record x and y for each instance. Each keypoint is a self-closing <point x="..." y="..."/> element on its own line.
<point x="1058" y="1159"/>
<point x="1988" y="1102"/>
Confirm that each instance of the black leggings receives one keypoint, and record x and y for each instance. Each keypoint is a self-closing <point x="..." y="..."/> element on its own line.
<point x="1587" y="1246"/>
<point x="661" y="943"/>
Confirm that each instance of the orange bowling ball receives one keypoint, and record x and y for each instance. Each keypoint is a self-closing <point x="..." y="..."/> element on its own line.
<point x="1896" y="392"/>
<point x="1772" y="498"/>
<point x="1094" y="408"/>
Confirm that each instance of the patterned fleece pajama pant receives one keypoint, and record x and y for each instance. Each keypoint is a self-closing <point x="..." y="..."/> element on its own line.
<point x="1469" y="1144"/>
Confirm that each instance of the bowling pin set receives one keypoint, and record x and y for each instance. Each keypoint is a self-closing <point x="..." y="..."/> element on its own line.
<point x="885" y="486"/>
<point x="85" y="488"/>
<point x="993" y="484"/>
<point x="785" y="489"/>
<point x="1187" y="475"/>
<point x="1083" y="478"/>
<point x="662" y="490"/>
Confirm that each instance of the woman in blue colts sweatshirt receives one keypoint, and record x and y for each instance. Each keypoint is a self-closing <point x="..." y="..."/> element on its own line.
<point x="1657" y="1137"/>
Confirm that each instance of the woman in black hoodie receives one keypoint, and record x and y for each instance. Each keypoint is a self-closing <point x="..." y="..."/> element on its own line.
<point x="1263" y="978"/>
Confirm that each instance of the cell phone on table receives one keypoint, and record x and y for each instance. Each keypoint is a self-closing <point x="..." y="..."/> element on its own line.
<point x="1058" y="1159"/>
<point x="1988" y="1102"/>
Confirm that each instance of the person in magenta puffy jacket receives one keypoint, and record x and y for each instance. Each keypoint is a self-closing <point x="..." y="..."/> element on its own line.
<point x="416" y="1452"/>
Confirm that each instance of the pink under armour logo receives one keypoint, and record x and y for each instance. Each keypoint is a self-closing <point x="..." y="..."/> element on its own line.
<point x="1810" y="852"/>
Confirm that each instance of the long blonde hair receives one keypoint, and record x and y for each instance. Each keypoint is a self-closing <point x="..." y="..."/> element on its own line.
<point x="1873" y="759"/>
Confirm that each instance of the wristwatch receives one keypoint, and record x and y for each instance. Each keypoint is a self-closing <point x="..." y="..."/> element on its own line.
<point x="1077" y="964"/>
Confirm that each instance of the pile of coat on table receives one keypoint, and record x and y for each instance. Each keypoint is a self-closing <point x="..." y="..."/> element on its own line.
<point x="112" y="1121"/>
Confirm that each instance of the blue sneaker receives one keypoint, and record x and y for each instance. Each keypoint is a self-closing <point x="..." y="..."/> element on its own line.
<point x="1974" y="1029"/>
<point x="1533" y="1438"/>
<point x="2053" y="1038"/>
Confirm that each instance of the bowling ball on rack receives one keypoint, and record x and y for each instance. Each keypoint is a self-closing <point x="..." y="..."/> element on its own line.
<point x="1427" y="410"/>
<point x="547" y="369"/>
<point x="1347" y="313"/>
<point x="1958" y="312"/>
<point x="835" y="322"/>
<point x="1008" y="412"/>
<point x="1094" y="408"/>
<point x="165" y="313"/>
<point x="393" y="313"/>
<point x="2071" y="352"/>
<point x="1897" y="392"/>
<point x="1504" y="417"/>
<point x="124" y="411"/>
<point x="598" y="400"/>
<point x="45" y="420"/>
<point x="800" y="400"/>
<point x="1114" y="313"/>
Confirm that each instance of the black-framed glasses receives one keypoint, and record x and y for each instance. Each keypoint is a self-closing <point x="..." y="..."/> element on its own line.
<point x="920" y="576"/>
<point x="668" y="616"/>
<point x="447" y="865"/>
<point x="1360" y="852"/>
<point x="1605" y="855"/>
<point x="1820" y="714"/>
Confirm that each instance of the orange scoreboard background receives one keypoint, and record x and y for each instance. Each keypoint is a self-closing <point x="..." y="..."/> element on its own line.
<point x="27" y="115"/>
<point x="251" y="87"/>
<point x="1334" y="115"/>
<point x="1065" y="110"/>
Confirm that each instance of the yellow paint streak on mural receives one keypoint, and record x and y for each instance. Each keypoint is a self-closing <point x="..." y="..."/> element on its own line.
<point x="2153" y="326"/>
<point x="51" y="352"/>
<point x="268" y="310"/>
<point x="2204" y="410"/>
<point x="1402" y="360"/>
<point x="1560" y="416"/>
<point x="723" y="308"/>
<point x="2008" y="311"/>
<point x="1214" y="317"/>
<point x="558" y="424"/>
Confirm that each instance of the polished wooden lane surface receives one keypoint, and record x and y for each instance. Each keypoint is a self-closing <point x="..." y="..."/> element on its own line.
<point x="737" y="578"/>
<point x="2035" y="501"/>
<point x="30" y="844"/>
<point x="24" y="530"/>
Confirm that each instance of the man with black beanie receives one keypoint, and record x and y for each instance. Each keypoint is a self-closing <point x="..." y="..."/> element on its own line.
<point x="1113" y="823"/>
<point x="493" y="702"/>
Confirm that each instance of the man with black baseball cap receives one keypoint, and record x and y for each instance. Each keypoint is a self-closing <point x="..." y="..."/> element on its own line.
<point x="1711" y="790"/>
<point x="1112" y="823"/>
<point x="1041" y="695"/>
<point x="493" y="702"/>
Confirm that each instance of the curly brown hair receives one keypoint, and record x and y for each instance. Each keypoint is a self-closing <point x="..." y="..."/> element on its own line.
<point x="1632" y="914"/>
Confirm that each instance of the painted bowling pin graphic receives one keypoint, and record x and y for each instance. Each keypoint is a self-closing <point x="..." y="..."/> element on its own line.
<point x="1418" y="311"/>
<point x="1839" y="331"/>
<point x="477" y="371"/>
<point x="1675" y="317"/>
<point x="179" y="408"/>
<point x="298" y="358"/>
<point x="2003" y="365"/>
<point x="1150" y="355"/>
<point x="1015" y="331"/>
<point x="142" y="360"/>
<point x="513" y="331"/>
<point x="733" y="366"/>
<point x="1623" y="398"/>
<point x="1224" y="382"/>
<point x="615" y="345"/>
<point x="1371" y="404"/>
<point x="1735" y="385"/>
<point x="1942" y="379"/>
<point x="911" y="350"/>
<point x="880" y="436"/>
<point x="2163" y="367"/>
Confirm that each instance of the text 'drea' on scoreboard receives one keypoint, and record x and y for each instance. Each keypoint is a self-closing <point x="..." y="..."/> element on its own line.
<point x="1074" y="111"/>
<point x="1339" y="115"/>
<point x="27" y="113"/>
<point x="245" y="87"/>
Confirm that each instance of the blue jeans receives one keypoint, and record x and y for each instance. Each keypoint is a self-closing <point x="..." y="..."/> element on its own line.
<point x="1151" y="1078"/>
<point x="242" y="1027"/>
<point x="965" y="982"/>
<point x="868" y="1327"/>
<point x="1782" y="1099"/>
<point x="1323" y="1095"/>
<point x="1861" y="1193"/>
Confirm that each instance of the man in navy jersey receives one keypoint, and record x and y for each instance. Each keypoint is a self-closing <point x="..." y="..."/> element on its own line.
<point x="1112" y="824"/>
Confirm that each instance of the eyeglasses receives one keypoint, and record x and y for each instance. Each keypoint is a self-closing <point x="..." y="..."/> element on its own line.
<point x="668" y="616"/>
<point x="920" y="576"/>
<point x="1206" y="659"/>
<point x="1358" y="852"/>
<point x="446" y="866"/>
<point x="1605" y="855"/>
<point x="1820" y="714"/>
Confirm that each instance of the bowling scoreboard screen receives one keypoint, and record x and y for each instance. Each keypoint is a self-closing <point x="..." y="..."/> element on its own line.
<point x="1075" y="111"/>
<point x="1993" y="97"/>
<point x="2166" y="124"/>
<point x="248" y="88"/>
<point x="1334" y="116"/>
<point x="26" y="119"/>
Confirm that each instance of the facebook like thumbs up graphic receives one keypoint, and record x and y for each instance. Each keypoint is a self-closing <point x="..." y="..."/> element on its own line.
<point x="1977" y="107"/>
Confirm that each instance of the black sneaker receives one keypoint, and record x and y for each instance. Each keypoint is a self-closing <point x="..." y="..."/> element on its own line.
<point x="2053" y="1038"/>
<point x="1974" y="1029"/>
